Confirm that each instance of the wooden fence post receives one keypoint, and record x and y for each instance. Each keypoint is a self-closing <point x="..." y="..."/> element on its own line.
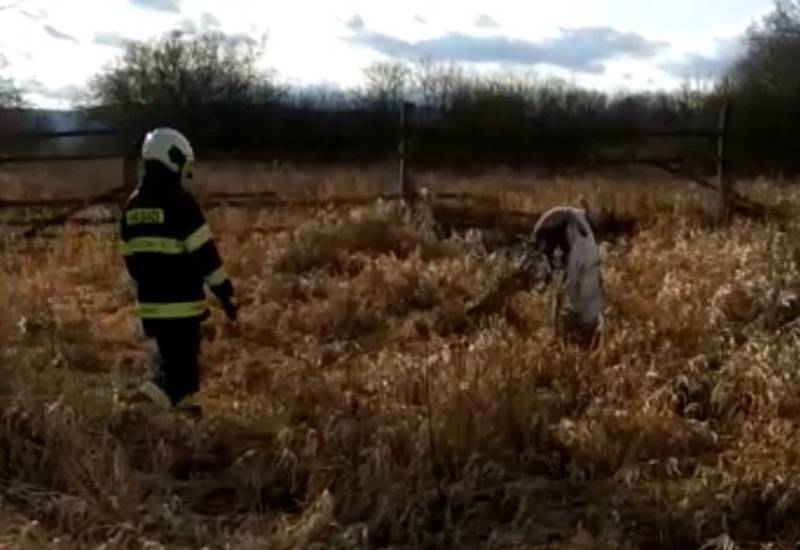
<point x="129" y="172"/>
<point x="724" y="182"/>
<point x="404" y="183"/>
<point x="130" y="165"/>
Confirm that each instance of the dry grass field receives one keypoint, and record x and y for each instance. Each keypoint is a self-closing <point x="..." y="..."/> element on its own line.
<point x="356" y="405"/>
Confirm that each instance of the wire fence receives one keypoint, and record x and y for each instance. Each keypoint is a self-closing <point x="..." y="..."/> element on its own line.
<point x="415" y="134"/>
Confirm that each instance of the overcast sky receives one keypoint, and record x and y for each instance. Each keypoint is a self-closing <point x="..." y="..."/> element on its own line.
<point x="53" y="46"/>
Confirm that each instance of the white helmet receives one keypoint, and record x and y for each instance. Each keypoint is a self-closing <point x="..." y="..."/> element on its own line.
<point x="171" y="148"/>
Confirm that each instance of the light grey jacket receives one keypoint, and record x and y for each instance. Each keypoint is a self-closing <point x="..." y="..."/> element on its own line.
<point x="571" y="230"/>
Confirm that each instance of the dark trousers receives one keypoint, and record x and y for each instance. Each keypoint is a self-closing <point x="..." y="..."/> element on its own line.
<point x="178" y="350"/>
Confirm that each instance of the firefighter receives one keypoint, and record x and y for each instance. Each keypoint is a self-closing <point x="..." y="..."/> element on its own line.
<point x="170" y="254"/>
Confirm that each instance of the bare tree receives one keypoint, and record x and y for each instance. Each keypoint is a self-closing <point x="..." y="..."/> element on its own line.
<point x="10" y="94"/>
<point x="765" y="86"/>
<point x="437" y="84"/>
<point x="388" y="83"/>
<point x="184" y="71"/>
<point x="198" y="82"/>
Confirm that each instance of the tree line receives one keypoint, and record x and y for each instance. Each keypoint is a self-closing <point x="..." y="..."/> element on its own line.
<point x="210" y="85"/>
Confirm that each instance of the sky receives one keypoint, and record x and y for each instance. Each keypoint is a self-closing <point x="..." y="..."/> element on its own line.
<point x="52" y="47"/>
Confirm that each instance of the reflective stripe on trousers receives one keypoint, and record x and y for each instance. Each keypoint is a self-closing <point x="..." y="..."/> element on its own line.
<point x="176" y="310"/>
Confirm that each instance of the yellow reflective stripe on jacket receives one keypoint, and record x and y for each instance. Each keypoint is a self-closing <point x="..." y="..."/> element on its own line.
<point x="136" y="216"/>
<point x="157" y="245"/>
<point x="198" y="238"/>
<point x="177" y="310"/>
<point x="218" y="277"/>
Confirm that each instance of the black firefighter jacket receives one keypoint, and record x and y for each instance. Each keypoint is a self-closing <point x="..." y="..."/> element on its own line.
<point x="169" y="252"/>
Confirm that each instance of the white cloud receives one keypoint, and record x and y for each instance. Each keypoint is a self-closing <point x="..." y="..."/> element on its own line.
<point x="583" y="50"/>
<point x="112" y="39"/>
<point x="356" y="23"/>
<point x="484" y="21"/>
<point x="170" y="6"/>
<point x="59" y="35"/>
<point x="311" y="40"/>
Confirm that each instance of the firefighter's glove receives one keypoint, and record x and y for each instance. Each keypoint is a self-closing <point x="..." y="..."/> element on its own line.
<point x="231" y="308"/>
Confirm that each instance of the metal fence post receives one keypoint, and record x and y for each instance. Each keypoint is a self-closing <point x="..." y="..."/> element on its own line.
<point x="404" y="183"/>
<point x="724" y="182"/>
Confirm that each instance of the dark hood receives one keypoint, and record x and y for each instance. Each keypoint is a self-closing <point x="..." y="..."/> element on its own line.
<point x="159" y="180"/>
